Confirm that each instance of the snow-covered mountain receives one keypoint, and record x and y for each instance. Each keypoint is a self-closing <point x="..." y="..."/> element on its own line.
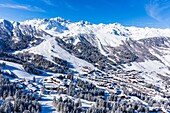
<point x="114" y="40"/>
<point x="45" y="47"/>
<point x="119" y="44"/>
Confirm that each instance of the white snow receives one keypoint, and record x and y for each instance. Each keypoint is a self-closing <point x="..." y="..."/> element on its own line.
<point x="18" y="70"/>
<point x="111" y="35"/>
<point x="108" y="34"/>
<point x="50" y="48"/>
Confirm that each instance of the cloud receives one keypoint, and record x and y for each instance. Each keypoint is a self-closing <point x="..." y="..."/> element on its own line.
<point x="159" y="10"/>
<point x="48" y="2"/>
<point x="70" y="6"/>
<point x="22" y="7"/>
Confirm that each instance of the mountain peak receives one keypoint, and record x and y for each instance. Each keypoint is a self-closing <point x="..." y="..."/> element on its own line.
<point x="4" y="21"/>
<point x="60" y="19"/>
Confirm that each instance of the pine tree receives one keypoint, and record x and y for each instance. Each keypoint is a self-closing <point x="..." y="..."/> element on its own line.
<point x="34" y="79"/>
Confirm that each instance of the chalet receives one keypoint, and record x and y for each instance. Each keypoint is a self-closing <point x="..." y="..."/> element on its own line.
<point x="48" y="80"/>
<point x="110" y="87"/>
<point x="50" y="86"/>
<point x="141" y="81"/>
<point x="101" y="84"/>
<point x="63" y="89"/>
<point x="96" y="65"/>
<point x="86" y="67"/>
<point x="56" y="81"/>
<point x="122" y="96"/>
<point x="86" y="71"/>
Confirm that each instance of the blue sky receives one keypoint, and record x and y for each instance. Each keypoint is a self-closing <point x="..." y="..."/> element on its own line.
<point x="142" y="13"/>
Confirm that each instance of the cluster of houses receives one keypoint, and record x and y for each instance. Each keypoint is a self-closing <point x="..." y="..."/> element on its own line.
<point x="118" y="80"/>
<point x="56" y="83"/>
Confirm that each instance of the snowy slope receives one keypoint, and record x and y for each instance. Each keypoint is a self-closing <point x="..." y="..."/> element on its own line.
<point x="16" y="69"/>
<point x="50" y="48"/>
